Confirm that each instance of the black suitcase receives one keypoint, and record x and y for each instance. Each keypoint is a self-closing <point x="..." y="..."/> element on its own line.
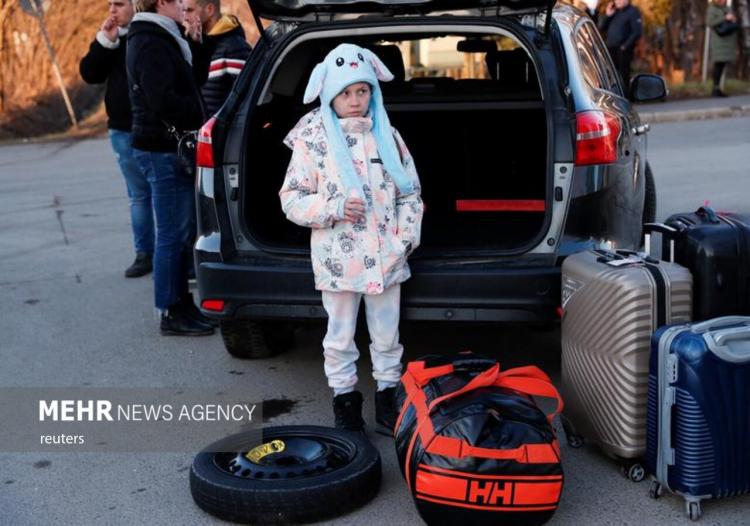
<point x="715" y="247"/>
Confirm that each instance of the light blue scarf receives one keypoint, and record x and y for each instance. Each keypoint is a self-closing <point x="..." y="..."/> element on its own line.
<point x="170" y="26"/>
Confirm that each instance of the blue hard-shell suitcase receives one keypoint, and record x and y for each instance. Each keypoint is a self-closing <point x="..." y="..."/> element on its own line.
<point x="698" y="428"/>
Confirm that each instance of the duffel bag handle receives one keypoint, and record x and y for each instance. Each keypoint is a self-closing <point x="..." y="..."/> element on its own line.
<point x="528" y="380"/>
<point x="423" y="374"/>
<point x="533" y="386"/>
<point x="484" y="379"/>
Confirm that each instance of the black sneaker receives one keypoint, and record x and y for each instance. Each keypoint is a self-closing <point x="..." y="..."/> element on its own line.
<point x="718" y="93"/>
<point x="385" y="411"/>
<point x="347" y="410"/>
<point x="142" y="265"/>
<point x="175" y="322"/>
<point x="194" y="313"/>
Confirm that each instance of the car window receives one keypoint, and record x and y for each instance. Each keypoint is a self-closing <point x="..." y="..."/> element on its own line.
<point x="429" y="64"/>
<point x="450" y="56"/>
<point x="588" y="63"/>
<point x="611" y="77"/>
<point x="595" y="63"/>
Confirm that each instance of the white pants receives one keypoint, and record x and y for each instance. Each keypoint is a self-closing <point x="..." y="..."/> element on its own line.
<point x="339" y="350"/>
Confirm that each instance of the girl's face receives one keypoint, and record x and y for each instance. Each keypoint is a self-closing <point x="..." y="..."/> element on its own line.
<point x="353" y="101"/>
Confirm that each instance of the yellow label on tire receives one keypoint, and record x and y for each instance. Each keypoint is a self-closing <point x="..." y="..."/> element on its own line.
<point x="257" y="453"/>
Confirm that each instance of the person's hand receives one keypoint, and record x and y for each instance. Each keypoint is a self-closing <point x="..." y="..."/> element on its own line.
<point x="109" y="28"/>
<point x="610" y="9"/>
<point x="354" y="209"/>
<point x="194" y="30"/>
<point x="730" y="17"/>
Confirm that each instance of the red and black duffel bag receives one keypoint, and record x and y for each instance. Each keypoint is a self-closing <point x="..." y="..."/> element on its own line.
<point x="473" y="445"/>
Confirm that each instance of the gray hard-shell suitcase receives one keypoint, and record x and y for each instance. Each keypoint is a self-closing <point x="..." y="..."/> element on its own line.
<point x="612" y="303"/>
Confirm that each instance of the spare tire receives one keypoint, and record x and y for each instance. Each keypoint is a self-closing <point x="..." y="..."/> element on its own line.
<point x="298" y="474"/>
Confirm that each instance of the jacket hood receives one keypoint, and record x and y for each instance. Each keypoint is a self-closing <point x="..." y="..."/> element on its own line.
<point x="226" y="24"/>
<point x="347" y="64"/>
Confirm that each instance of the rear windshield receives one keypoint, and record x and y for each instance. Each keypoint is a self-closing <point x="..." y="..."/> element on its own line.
<point x="497" y="60"/>
<point x="454" y="57"/>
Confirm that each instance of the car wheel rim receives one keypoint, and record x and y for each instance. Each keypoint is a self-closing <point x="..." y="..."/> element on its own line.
<point x="300" y="457"/>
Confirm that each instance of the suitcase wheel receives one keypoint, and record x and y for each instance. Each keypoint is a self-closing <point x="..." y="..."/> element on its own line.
<point x="635" y="472"/>
<point x="655" y="490"/>
<point x="693" y="509"/>
<point x="574" y="441"/>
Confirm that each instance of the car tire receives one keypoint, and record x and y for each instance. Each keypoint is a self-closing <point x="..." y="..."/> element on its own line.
<point x="252" y="340"/>
<point x="649" y="201"/>
<point x="323" y="473"/>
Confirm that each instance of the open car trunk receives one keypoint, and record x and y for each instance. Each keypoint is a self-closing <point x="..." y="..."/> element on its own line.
<point x="479" y="145"/>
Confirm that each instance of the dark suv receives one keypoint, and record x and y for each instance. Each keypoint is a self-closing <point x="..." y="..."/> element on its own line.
<point x="527" y="146"/>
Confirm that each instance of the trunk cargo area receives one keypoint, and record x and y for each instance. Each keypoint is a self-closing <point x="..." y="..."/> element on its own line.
<point x="479" y="145"/>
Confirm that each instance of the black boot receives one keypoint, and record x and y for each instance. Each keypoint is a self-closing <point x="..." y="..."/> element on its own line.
<point x="141" y="266"/>
<point x="718" y="93"/>
<point x="385" y="411"/>
<point x="175" y="322"/>
<point x="194" y="313"/>
<point x="347" y="410"/>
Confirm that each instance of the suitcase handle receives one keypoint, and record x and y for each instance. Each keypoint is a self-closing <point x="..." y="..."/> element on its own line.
<point x="666" y="231"/>
<point x="718" y="323"/>
<point x="666" y="451"/>
<point x="731" y="345"/>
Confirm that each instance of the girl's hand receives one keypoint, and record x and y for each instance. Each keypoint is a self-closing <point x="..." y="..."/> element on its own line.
<point x="354" y="209"/>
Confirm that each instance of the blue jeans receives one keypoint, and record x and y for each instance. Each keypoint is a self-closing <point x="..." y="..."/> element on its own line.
<point x="174" y="206"/>
<point x="139" y="192"/>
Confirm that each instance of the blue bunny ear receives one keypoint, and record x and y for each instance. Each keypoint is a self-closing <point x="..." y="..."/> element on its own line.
<point x="381" y="71"/>
<point x="315" y="84"/>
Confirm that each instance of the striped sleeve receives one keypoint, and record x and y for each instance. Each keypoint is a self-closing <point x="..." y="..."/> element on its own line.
<point x="225" y="66"/>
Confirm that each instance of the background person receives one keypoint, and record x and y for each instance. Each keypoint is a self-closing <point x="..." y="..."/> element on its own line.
<point x="723" y="48"/>
<point x="352" y="180"/>
<point x="623" y="26"/>
<point x="105" y="62"/>
<point x="225" y="41"/>
<point x="164" y="71"/>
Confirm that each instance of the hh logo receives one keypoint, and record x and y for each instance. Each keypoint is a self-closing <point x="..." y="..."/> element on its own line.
<point x="490" y="492"/>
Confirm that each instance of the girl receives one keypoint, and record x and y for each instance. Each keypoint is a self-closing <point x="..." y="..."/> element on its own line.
<point x="353" y="182"/>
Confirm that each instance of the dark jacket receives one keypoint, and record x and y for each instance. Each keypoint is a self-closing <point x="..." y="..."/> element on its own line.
<point x="229" y="50"/>
<point x="163" y="87"/>
<point x="723" y="48"/>
<point x="102" y="65"/>
<point x="623" y="28"/>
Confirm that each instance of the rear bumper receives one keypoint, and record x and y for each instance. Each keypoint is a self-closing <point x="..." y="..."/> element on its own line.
<point x="284" y="289"/>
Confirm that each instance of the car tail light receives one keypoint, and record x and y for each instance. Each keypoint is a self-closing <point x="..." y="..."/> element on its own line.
<point x="597" y="133"/>
<point x="204" y="155"/>
<point x="213" y="305"/>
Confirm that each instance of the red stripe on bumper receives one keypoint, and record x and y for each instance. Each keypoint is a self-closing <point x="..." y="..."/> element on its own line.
<point x="499" y="205"/>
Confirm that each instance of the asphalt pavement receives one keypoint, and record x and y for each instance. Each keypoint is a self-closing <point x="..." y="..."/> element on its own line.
<point x="69" y="318"/>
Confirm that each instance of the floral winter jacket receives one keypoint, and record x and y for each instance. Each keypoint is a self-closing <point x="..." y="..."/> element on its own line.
<point x="365" y="257"/>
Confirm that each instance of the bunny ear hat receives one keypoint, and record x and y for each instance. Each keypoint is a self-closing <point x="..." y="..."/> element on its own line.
<point x="345" y="65"/>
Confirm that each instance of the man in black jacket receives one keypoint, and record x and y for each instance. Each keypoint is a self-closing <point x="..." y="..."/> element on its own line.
<point x="105" y="62"/>
<point x="164" y="72"/>
<point x="225" y="40"/>
<point x="623" y="26"/>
